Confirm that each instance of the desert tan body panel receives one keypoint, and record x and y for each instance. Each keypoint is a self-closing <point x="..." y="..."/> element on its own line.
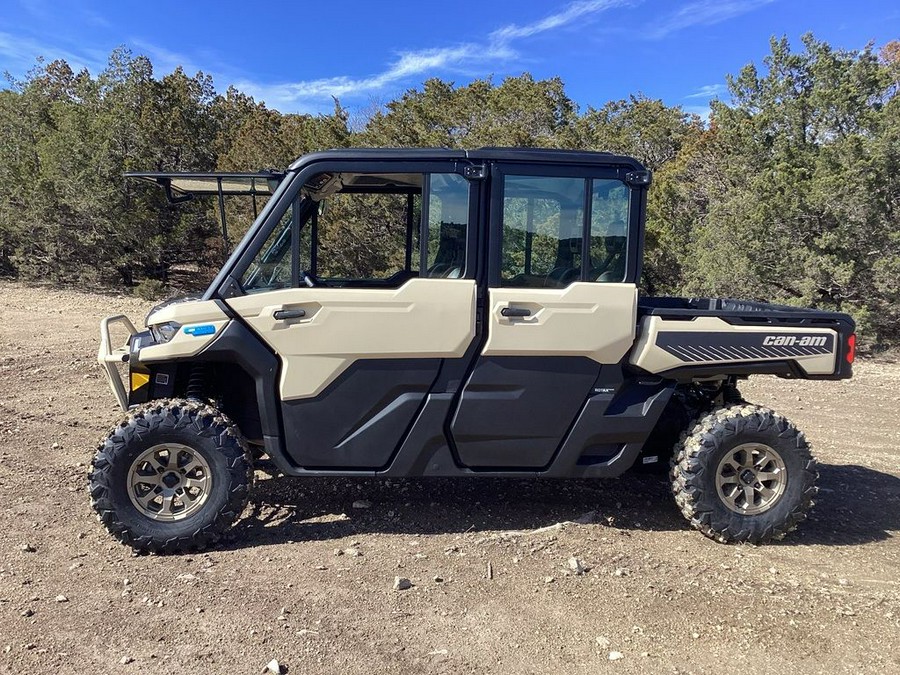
<point x="423" y="318"/>
<point x="184" y="344"/>
<point x="584" y="319"/>
<point x="775" y="342"/>
<point x="195" y="311"/>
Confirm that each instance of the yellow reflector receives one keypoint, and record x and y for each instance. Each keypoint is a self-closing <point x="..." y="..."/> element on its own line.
<point x="138" y="380"/>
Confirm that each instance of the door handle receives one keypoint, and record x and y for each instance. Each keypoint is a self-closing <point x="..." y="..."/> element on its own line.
<point x="515" y="311"/>
<point x="285" y="314"/>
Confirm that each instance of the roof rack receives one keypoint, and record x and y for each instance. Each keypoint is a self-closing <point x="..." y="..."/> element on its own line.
<point x="184" y="186"/>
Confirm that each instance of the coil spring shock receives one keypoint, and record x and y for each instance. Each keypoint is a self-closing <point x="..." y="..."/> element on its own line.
<point x="196" y="382"/>
<point x="730" y="393"/>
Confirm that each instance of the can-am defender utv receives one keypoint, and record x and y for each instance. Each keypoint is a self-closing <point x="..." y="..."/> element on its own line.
<point x="453" y="313"/>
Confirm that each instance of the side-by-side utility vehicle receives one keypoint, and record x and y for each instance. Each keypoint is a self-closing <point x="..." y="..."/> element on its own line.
<point x="451" y="313"/>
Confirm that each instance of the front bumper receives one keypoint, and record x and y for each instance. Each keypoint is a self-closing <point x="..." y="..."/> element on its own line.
<point x="108" y="357"/>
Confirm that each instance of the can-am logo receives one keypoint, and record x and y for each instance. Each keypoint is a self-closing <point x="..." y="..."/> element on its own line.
<point x="793" y="341"/>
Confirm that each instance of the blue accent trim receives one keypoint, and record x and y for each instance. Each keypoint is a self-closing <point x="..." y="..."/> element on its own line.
<point x="197" y="331"/>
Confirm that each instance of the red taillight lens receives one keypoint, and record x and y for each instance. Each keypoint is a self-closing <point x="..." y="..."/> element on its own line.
<point x="851" y="348"/>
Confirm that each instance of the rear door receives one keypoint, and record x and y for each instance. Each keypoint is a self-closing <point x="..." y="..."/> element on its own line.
<point x="562" y="301"/>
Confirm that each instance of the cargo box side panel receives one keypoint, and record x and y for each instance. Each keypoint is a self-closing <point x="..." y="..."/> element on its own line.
<point x="668" y="345"/>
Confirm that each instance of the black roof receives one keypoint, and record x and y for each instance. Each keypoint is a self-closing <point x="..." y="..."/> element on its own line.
<point x="538" y="155"/>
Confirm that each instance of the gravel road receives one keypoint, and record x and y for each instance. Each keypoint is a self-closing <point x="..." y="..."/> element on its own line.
<point x="309" y="579"/>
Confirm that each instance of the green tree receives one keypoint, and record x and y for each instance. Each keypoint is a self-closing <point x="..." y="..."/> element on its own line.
<point x="640" y="127"/>
<point x="521" y="111"/>
<point x="801" y="199"/>
<point x="661" y="137"/>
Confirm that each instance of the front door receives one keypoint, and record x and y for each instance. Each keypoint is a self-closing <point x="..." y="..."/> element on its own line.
<point x="562" y="301"/>
<point x="378" y="292"/>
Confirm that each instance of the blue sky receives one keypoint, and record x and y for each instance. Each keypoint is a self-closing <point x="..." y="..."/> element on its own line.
<point x="295" y="55"/>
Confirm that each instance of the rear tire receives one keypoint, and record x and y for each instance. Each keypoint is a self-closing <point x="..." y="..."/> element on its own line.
<point x="171" y="478"/>
<point x="743" y="473"/>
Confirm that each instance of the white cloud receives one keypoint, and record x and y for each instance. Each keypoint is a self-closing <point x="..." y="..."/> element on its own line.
<point x="709" y="91"/>
<point x="20" y="53"/>
<point x="497" y="47"/>
<point x="702" y="13"/>
<point x="408" y="65"/>
<point x="492" y="52"/>
<point x="576" y="10"/>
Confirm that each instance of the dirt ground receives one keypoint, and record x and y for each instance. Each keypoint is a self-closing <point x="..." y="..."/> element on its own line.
<point x="488" y="596"/>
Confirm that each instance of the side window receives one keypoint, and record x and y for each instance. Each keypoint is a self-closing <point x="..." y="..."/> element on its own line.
<point x="543" y="230"/>
<point x="364" y="229"/>
<point x="447" y="226"/>
<point x="367" y="235"/>
<point x="542" y="225"/>
<point x="368" y="227"/>
<point x="610" y="200"/>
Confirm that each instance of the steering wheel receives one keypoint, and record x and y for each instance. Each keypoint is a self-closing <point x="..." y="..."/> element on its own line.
<point x="308" y="279"/>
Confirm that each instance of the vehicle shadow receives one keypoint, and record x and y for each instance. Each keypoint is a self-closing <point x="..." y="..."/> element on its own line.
<point x="323" y="508"/>
<point x="856" y="505"/>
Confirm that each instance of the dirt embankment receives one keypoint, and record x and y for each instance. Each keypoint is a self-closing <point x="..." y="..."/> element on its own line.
<point x="489" y="595"/>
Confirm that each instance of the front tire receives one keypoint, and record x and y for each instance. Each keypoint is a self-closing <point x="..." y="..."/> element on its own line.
<point x="744" y="474"/>
<point x="171" y="478"/>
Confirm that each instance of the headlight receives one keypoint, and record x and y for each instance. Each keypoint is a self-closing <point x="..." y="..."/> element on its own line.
<point x="163" y="332"/>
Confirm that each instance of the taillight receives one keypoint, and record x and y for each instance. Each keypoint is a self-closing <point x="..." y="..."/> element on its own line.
<point x="851" y="348"/>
